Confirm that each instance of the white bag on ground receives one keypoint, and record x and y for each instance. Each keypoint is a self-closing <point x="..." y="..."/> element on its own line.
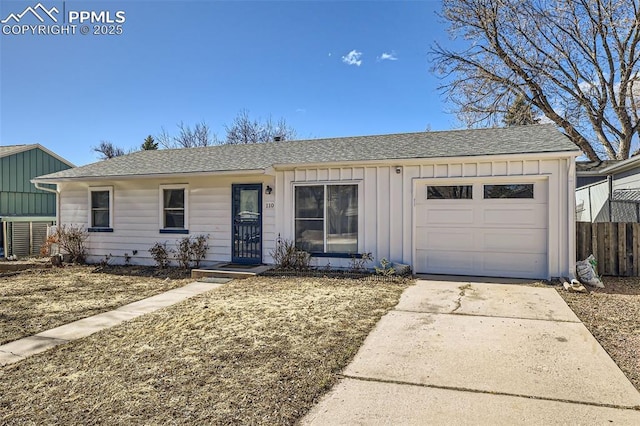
<point x="587" y="273"/>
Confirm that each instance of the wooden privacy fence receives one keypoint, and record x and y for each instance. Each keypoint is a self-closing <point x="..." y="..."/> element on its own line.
<point x="616" y="246"/>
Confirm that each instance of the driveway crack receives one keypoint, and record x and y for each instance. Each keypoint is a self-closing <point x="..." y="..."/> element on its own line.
<point x="458" y="301"/>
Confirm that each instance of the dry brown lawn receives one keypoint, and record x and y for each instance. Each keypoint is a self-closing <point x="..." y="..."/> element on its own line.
<point x="612" y="315"/>
<point x="40" y="299"/>
<point x="256" y="351"/>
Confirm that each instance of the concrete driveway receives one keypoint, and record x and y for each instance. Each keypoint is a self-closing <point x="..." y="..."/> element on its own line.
<point x="478" y="353"/>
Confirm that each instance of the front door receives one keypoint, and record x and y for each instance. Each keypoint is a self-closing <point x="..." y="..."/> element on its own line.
<point x="246" y="210"/>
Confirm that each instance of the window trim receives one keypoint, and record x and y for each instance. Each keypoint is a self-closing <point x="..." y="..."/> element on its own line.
<point x="325" y="184"/>
<point x="172" y="230"/>
<point x="92" y="228"/>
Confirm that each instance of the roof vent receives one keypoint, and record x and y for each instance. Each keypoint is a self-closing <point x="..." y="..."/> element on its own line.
<point x="277" y="138"/>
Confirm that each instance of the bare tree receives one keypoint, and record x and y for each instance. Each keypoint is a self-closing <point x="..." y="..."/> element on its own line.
<point x="575" y="61"/>
<point x="187" y="137"/>
<point x="245" y="130"/>
<point x="108" y="150"/>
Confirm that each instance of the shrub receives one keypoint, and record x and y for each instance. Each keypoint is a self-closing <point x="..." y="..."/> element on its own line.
<point x="191" y="250"/>
<point x="71" y="240"/>
<point x="183" y="252"/>
<point x="358" y="264"/>
<point x="385" y="269"/>
<point x="199" y="249"/>
<point x="160" y="254"/>
<point x="45" y="249"/>
<point x="287" y="256"/>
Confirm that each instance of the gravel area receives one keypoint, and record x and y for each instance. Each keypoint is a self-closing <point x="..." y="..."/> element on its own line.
<point x="612" y="315"/>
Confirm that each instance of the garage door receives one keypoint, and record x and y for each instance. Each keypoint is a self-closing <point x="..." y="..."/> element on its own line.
<point x="482" y="228"/>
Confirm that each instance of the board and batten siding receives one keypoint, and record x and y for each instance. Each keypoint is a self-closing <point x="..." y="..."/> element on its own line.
<point x="136" y="216"/>
<point x="386" y="200"/>
<point x="18" y="196"/>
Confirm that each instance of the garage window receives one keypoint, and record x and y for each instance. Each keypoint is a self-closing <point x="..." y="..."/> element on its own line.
<point x="326" y="218"/>
<point x="450" y="192"/>
<point x="508" y="191"/>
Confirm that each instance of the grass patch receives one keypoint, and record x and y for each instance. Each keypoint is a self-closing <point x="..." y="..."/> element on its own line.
<point x="256" y="351"/>
<point x="40" y="299"/>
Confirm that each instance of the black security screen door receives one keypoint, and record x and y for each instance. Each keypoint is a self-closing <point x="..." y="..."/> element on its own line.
<point x="247" y="223"/>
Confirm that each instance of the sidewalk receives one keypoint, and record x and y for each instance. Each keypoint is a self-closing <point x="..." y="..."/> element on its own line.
<point x="20" y="349"/>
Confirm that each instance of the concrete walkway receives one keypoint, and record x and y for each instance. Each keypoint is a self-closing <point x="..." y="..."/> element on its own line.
<point x="19" y="349"/>
<point x="471" y="353"/>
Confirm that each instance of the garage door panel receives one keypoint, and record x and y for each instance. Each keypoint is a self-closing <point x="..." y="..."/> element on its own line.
<point x="522" y="265"/>
<point x="446" y="262"/>
<point x="449" y="216"/>
<point x="515" y="240"/>
<point x="509" y="215"/>
<point x="446" y="239"/>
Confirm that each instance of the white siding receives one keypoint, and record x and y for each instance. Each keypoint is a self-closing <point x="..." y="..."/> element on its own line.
<point x="591" y="202"/>
<point x="136" y="221"/>
<point x="629" y="179"/>
<point x="387" y="199"/>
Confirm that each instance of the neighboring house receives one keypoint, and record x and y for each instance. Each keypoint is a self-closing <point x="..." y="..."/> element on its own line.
<point x="589" y="172"/>
<point x="25" y="211"/>
<point x="613" y="194"/>
<point x="491" y="202"/>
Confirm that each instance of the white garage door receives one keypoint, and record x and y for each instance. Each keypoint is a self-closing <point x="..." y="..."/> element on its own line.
<point x="482" y="228"/>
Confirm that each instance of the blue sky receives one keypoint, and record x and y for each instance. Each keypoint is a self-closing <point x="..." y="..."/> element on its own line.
<point x="189" y="61"/>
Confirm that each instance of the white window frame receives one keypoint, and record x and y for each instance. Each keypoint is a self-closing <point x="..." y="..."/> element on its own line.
<point x="90" y="204"/>
<point x="185" y="188"/>
<point x="325" y="184"/>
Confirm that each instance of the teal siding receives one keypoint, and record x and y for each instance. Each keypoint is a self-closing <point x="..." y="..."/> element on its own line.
<point x="18" y="196"/>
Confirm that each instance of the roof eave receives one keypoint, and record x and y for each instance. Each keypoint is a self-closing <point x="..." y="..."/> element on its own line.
<point x="623" y="165"/>
<point x="432" y="160"/>
<point x="147" y="176"/>
<point x="29" y="147"/>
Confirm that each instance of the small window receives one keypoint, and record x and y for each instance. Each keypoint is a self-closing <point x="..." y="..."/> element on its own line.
<point x="173" y="209"/>
<point x="452" y="192"/>
<point x="508" y="191"/>
<point x="100" y="200"/>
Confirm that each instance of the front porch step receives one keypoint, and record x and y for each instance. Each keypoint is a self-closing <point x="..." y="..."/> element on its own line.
<point x="236" y="272"/>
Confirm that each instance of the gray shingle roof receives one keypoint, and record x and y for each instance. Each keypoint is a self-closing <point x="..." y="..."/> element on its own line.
<point x="7" y="150"/>
<point x="513" y="140"/>
<point x="593" y="167"/>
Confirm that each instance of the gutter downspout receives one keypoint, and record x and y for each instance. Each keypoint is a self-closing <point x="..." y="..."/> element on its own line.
<point x="610" y="187"/>
<point x="571" y="216"/>
<point x="54" y="191"/>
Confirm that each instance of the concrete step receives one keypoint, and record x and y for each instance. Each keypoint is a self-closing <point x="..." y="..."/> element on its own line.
<point x="229" y="271"/>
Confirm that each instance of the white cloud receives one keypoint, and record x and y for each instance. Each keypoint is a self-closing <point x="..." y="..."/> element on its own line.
<point x="301" y="110"/>
<point x="353" y="58"/>
<point x="388" y="56"/>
